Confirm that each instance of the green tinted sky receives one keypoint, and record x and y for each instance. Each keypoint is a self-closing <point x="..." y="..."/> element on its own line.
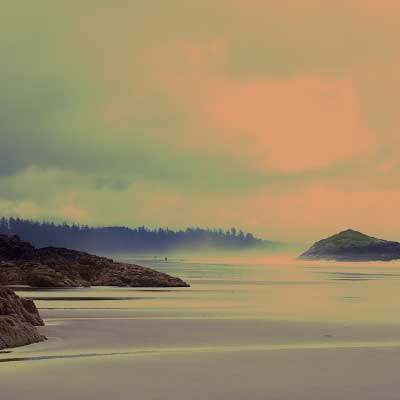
<point x="278" y="117"/>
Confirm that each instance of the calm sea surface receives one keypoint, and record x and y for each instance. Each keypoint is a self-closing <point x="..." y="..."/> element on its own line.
<point x="259" y="326"/>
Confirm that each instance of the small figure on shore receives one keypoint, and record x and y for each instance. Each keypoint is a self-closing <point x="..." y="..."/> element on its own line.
<point x="166" y="259"/>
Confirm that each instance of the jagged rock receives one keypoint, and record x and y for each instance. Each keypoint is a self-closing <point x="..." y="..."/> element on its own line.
<point x="351" y="245"/>
<point x="18" y="320"/>
<point x="22" y="264"/>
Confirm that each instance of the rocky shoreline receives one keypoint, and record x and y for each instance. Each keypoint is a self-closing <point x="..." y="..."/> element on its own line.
<point x="52" y="267"/>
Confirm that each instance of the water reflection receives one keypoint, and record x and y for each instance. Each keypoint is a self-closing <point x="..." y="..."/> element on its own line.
<point x="246" y="287"/>
<point x="245" y="324"/>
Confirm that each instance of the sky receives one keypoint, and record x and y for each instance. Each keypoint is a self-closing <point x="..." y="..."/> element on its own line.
<point x="276" y="117"/>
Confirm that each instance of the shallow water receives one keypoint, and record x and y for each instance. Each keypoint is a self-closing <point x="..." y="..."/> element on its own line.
<point x="259" y="326"/>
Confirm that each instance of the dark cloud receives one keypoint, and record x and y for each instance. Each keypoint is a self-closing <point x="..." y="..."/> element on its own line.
<point x="85" y="122"/>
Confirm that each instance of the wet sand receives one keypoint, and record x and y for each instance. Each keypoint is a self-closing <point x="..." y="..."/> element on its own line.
<point x="264" y="329"/>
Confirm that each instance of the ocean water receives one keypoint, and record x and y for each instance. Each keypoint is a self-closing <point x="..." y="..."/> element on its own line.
<point x="268" y="327"/>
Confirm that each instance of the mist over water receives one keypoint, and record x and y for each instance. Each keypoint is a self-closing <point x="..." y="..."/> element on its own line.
<point x="279" y="286"/>
<point x="250" y="324"/>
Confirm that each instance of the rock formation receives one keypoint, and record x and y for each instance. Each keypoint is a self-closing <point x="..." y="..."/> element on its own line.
<point x="18" y="320"/>
<point x="351" y="245"/>
<point x="23" y="264"/>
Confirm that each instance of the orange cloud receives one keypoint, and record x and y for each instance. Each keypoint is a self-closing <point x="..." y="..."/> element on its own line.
<point x="322" y="209"/>
<point x="290" y="125"/>
<point x="74" y="212"/>
<point x="297" y="124"/>
<point x="178" y="96"/>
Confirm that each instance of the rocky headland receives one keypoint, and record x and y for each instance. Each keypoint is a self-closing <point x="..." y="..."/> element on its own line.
<point x="351" y="245"/>
<point x="52" y="267"/>
<point x="19" y="319"/>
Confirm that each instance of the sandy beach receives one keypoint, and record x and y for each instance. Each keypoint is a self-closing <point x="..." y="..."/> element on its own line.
<point x="235" y="333"/>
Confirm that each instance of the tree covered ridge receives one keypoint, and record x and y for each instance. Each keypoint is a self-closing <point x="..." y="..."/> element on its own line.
<point x="124" y="239"/>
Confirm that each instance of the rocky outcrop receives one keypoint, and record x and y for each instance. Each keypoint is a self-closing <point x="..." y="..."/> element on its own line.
<point x="22" y="264"/>
<point x="13" y="248"/>
<point x="351" y="245"/>
<point x="19" y="318"/>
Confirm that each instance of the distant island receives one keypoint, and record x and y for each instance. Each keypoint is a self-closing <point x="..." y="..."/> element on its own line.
<point x="351" y="245"/>
<point x="112" y="240"/>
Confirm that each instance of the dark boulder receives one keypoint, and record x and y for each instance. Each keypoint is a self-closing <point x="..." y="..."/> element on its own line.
<point x="13" y="248"/>
<point x="19" y="318"/>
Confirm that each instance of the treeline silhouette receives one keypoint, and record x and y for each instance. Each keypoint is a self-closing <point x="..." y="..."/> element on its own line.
<point x="125" y="240"/>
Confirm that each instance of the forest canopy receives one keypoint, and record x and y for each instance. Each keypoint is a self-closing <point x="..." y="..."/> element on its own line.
<point x="124" y="239"/>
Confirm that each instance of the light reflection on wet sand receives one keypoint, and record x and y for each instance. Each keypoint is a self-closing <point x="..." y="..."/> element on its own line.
<point x="240" y="319"/>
